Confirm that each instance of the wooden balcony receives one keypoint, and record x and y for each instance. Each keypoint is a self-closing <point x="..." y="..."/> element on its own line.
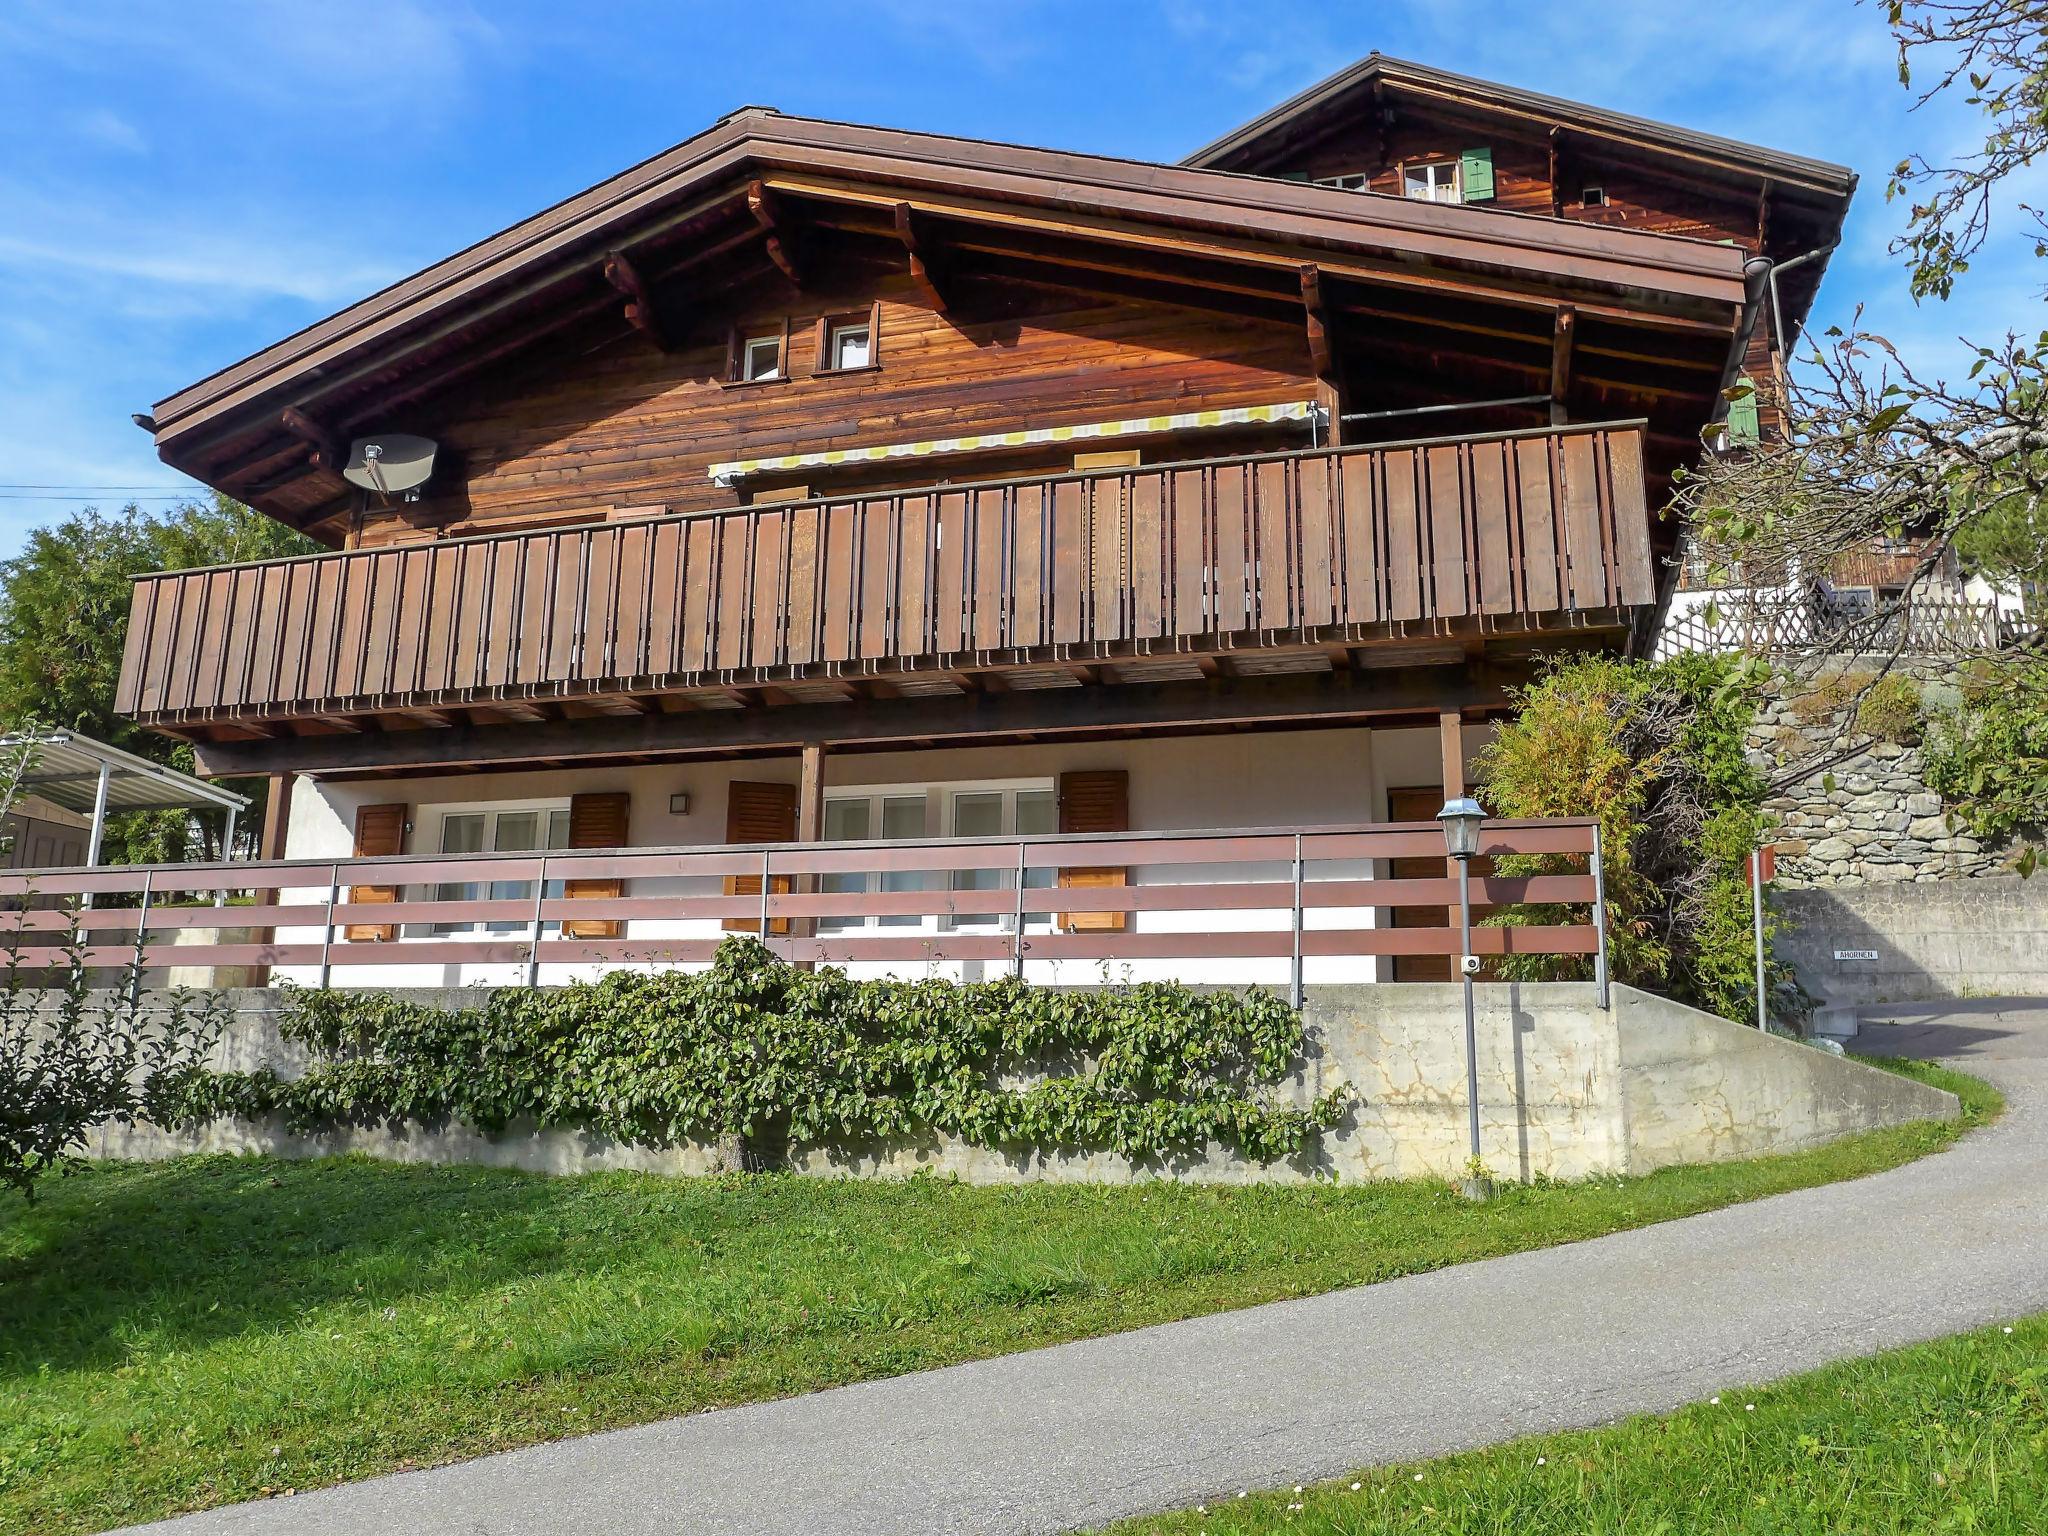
<point x="1435" y="539"/>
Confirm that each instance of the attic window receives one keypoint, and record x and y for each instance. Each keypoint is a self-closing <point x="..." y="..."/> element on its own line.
<point x="1593" y="197"/>
<point x="761" y="358"/>
<point x="847" y="343"/>
<point x="1432" y="181"/>
<point x="1357" y="181"/>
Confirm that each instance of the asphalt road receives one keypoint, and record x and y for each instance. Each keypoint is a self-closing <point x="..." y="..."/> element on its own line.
<point x="1085" y="1433"/>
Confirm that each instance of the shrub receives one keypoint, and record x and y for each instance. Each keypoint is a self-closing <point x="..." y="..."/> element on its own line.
<point x="1989" y="758"/>
<point x="760" y="1050"/>
<point x="1891" y="710"/>
<point x="1655" y="753"/>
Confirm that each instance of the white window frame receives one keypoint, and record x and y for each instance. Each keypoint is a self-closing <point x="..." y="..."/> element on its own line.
<point x="490" y="810"/>
<point x="1351" y="181"/>
<point x="836" y="338"/>
<point x="939" y="818"/>
<point x="1443" y="179"/>
<point x="752" y="345"/>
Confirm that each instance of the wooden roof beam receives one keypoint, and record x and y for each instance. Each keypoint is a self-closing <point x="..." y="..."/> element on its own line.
<point x="1561" y="338"/>
<point x="641" y="312"/>
<point x="1321" y="351"/>
<point x="773" y="223"/>
<point x="924" y="263"/>
<point x="329" y="452"/>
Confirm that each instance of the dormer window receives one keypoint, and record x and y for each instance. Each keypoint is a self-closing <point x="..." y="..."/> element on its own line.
<point x="1357" y="181"/>
<point x="761" y="358"/>
<point x="1432" y="181"/>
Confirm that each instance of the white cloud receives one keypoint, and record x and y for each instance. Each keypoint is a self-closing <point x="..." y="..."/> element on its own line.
<point x="109" y="130"/>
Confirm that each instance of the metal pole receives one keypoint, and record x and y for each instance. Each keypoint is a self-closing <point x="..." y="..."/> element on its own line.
<point x="764" y="896"/>
<point x="540" y="891"/>
<point x="1294" y="988"/>
<point x="1471" y="1024"/>
<point x="99" y="825"/>
<point x="1017" y="938"/>
<point x="141" y="938"/>
<point x="1756" y="896"/>
<point x="327" y="934"/>
<point x="227" y="856"/>
<point x="1599" y="921"/>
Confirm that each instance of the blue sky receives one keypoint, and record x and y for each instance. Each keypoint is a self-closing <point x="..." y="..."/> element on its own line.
<point x="181" y="184"/>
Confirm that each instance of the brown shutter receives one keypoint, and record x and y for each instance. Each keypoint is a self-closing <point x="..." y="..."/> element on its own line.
<point x="1098" y="800"/>
<point x="595" y="821"/>
<point x="758" y="813"/>
<point x="380" y="834"/>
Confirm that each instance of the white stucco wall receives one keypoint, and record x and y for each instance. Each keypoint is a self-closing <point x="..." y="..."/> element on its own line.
<point x="1255" y="779"/>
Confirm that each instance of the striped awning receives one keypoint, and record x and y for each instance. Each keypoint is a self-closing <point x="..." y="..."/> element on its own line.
<point x="733" y="470"/>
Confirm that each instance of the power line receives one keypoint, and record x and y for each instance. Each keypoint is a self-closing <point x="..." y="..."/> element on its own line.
<point x="9" y="485"/>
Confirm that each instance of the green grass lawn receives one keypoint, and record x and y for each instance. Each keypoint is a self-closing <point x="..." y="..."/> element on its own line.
<point x="184" y="1334"/>
<point x="1944" y="1437"/>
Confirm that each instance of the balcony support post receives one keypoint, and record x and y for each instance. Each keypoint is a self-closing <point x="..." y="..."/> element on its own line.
<point x="810" y="825"/>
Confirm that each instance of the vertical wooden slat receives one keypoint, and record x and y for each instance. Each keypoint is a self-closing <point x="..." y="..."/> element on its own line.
<point x="1233" y="550"/>
<point x="1318" y="534"/>
<point x="629" y="618"/>
<point x="1277" y="564"/>
<point x="1029" y="512"/>
<point x="154" y="693"/>
<point x="1109" y="541"/>
<point x="876" y="577"/>
<point x="1490" y="522"/>
<point x="1070" y="564"/>
<point x="129" y="688"/>
<point x="698" y="593"/>
<point x="735" y="595"/>
<point x="837" y="636"/>
<point x="1541" y="568"/>
<point x="1362" y="573"/>
<point x="357" y="596"/>
<point x="1191" y="561"/>
<point x="500" y="660"/>
<point x="1588" y="560"/>
<point x="771" y="570"/>
<point x="297" y="636"/>
<point x="1631" y="517"/>
<point x="800" y="638"/>
<point x="244" y="609"/>
<point x="208" y="618"/>
<point x="949" y="596"/>
<point x="1148" y="565"/>
<point x="416" y="624"/>
<point x="990" y="569"/>
<point x="444" y="605"/>
<point x="1404" y="535"/>
<point x="913" y="575"/>
<point x="1445" y="505"/>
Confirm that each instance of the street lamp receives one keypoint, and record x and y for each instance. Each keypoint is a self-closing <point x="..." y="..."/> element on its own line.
<point x="1461" y="819"/>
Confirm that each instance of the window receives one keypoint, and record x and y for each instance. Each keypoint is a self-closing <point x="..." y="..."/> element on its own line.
<point x="1593" y="197"/>
<point x="855" y="818"/>
<point x="1357" y="181"/>
<point x="848" y="346"/>
<point x="892" y="813"/>
<point x="522" y="829"/>
<point x="850" y="341"/>
<point x="1433" y="181"/>
<point x="1026" y="811"/>
<point x="761" y="358"/>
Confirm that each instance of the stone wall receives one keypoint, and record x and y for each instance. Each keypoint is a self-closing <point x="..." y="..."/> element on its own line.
<point x="1567" y="1090"/>
<point x="1862" y="813"/>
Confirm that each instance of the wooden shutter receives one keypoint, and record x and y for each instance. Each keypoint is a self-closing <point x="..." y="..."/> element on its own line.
<point x="595" y="821"/>
<point x="1475" y="175"/>
<point x="380" y="834"/>
<point x="758" y="813"/>
<point x="1743" y="427"/>
<point x="1097" y="800"/>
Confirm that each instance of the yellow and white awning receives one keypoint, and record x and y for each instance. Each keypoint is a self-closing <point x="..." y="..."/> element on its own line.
<point x="733" y="470"/>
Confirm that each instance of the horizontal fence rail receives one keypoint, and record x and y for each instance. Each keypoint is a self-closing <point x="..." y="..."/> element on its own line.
<point x="1919" y="624"/>
<point x="979" y="899"/>
<point x="1532" y="523"/>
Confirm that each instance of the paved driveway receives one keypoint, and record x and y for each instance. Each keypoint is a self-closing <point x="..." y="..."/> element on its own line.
<point x="1084" y="1433"/>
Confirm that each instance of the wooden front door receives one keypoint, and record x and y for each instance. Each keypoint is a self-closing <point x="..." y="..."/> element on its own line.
<point x="1420" y="804"/>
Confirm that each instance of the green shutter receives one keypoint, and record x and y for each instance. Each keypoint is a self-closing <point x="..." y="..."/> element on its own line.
<point x="1475" y="175"/>
<point x="1742" y="423"/>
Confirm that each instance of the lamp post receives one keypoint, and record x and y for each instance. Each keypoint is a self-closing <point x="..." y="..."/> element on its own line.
<point x="1461" y="819"/>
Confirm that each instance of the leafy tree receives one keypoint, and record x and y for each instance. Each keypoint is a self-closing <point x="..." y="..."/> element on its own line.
<point x="64" y="621"/>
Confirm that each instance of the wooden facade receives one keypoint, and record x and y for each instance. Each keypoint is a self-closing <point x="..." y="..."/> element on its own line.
<point x="1175" y="433"/>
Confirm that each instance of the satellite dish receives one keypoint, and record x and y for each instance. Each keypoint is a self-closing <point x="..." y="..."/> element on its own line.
<point x="392" y="464"/>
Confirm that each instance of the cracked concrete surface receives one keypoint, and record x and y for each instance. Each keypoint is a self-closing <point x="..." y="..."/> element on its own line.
<point x="1085" y="1433"/>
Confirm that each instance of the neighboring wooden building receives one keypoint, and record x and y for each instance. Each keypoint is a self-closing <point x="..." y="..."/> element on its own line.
<point x="812" y="480"/>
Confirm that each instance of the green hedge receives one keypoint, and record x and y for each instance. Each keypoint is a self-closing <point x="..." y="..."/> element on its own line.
<point x="780" y="1056"/>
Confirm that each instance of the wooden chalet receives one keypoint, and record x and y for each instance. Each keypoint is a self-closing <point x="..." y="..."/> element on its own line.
<point x="816" y="482"/>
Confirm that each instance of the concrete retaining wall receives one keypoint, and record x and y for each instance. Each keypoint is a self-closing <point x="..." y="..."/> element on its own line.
<point x="1567" y="1090"/>
<point x="1944" y="939"/>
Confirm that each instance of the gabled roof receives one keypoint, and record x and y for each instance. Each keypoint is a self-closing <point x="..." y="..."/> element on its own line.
<point x="1550" y="111"/>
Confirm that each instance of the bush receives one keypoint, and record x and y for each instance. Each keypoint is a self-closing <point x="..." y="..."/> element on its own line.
<point x="1891" y="710"/>
<point x="757" y="1049"/>
<point x="1989" y="758"/>
<point x="1655" y="753"/>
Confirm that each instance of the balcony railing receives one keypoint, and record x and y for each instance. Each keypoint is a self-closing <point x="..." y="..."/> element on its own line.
<point x="1179" y="898"/>
<point x="1481" y="532"/>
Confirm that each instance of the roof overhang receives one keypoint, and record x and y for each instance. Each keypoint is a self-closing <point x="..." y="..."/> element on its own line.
<point x="67" y="768"/>
<point x="1173" y="218"/>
